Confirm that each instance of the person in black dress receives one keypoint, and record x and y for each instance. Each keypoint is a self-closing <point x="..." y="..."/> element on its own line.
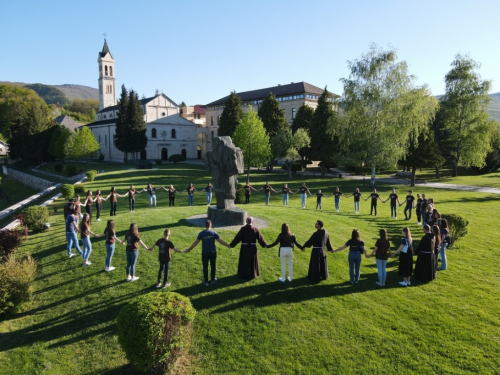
<point x="248" y="264"/>
<point x="318" y="267"/>
<point x="425" y="266"/>
<point x="405" y="251"/>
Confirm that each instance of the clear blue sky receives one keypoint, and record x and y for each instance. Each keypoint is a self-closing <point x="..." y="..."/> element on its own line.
<point x="199" y="51"/>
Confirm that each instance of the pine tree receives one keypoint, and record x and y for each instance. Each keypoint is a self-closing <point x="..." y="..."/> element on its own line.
<point x="322" y="145"/>
<point x="136" y="124"/>
<point x="272" y="116"/>
<point x="303" y="119"/>
<point x="121" y="127"/>
<point x="231" y="115"/>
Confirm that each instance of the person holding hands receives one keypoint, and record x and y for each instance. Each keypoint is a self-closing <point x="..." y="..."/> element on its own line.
<point x="164" y="256"/>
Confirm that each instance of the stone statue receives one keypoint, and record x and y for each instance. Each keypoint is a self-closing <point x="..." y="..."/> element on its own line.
<point x="224" y="162"/>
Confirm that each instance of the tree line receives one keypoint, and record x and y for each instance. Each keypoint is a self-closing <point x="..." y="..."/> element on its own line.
<point x="382" y="120"/>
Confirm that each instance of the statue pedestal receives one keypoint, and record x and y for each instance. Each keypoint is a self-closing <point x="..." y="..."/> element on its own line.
<point x="231" y="216"/>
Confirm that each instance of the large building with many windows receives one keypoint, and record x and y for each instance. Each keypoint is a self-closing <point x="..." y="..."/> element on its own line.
<point x="168" y="132"/>
<point x="290" y="97"/>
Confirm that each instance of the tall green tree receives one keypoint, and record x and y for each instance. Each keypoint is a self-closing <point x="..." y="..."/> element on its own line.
<point x="81" y="144"/>
<point x="121" y="127"/>
<point x="272" y="116"/>
<point x="286" y="145"/>
<point x="380" y="109"/>
<point x="57" y="146"/>
<point x="136" y="124"/>
<point x="303" y="120"/>
<point x="231" y="115"/>
<point x="250" y="135"/>
<point x="465" y="104"/>
<point x="323" y="143"/>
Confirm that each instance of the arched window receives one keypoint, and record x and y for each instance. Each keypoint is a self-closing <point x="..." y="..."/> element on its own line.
<point x="153" y="133"/>
<point x="183" y="152"/>
<point x="105" y="70"/>
<point x="172" y="133"/>
<point x="111" y="71"/>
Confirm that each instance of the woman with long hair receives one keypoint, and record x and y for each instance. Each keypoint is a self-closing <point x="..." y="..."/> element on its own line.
<point x="445" y="241"/>
<point x="190" y="190"/>
<point x="208" y="190"/>
<point x="98" y="204"/>
<point x="286" y="239"/>
<point x="89" y="201"/>
<point x="437" y="245"/>
<point x="357" y="195"/>
<point x="286" y="191"/>
<point x="382" y="246"/>
<point x="171" y="195"/>
<point x="110" y="234"/>
<point x="113" y="196"/>
<point x="152" y="195"/>
<point x="405" y="251"/>
<point x="85" y="233"/>
<point x="132" y="240"/>
<point x="356" y="248"/>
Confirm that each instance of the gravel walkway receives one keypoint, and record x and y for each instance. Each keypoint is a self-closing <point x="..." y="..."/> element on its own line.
<point x="199" y="221"/>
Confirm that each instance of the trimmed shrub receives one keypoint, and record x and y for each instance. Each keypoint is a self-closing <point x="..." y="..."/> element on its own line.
<point x="240" y="194"/>
<point x="36" y="217"/>
<point x="68" y="191"/>
<point x="58" y="168"/>
<point x="458" y="226"/>
<point x="79" y="189"/>
<point x="176" y="158"/>
<point x="90" y="175"/>
<point x="70" y="170"/>
<point x="10" y="240"/>
<point x="16" y="278"/>
<point x="158" y="162"/>
<point x="154" y="330"/>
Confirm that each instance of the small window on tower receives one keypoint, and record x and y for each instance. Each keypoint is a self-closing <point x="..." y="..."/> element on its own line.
<point x="111" y="71"/>
<point x="105" y="70"/>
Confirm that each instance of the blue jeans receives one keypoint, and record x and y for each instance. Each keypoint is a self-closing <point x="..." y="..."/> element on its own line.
<point x="110" y="249"/>
<point x="131" y="261"/>
<point x="267" y="196"/>
<point x="72" y="241"/>
<point x="394" y="211"/>
<point x="190" y="199"/>
<point x="285" y="199"/>
<point x="87" y="247"/>
<point x="209" y="198"/>
<point x="354" y="264"/>
<point x="152" y="201"/>
<point x="442" y="255"/>
<point x="408" y="208"/>
<point x="318" y="204"/>
<point x="356" y="206"/>
<point x="381" y="268"/>
<point x="337" y="203"/>
<point x="303" y="199"/>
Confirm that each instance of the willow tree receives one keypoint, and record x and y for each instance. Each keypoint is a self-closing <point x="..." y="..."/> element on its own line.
<point x="250" y="135"/>
<point x="464" y="111"/>
<point x="381" y="107"/>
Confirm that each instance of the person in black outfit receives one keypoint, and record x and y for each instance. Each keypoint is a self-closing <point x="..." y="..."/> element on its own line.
<point x="286" y="239"/>
<point x="418" y="209"/>
<point x="425" y="266"/>
<point x="318" y="267"/>
<point x="374" y="197"/>
<point x="410" y="201"/>
<point x="164" y="256"/>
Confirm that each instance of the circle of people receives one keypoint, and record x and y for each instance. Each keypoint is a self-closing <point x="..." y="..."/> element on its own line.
<point x="433" y="244"/>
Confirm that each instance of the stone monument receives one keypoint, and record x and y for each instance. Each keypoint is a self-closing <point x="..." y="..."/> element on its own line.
<point x="224" y="162"/>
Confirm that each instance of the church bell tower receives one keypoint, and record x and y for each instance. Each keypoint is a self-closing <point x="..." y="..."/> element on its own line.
<point x="107" y="81"/>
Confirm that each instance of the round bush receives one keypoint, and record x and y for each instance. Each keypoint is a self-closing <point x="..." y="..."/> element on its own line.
<point x="70" y="170"/>
<point x="67" y="191"/>
<point x="90" y="175"/>
<point x="176" y="158"/>
<point x="458" y="226"/>
<point x="16" y="278"/>
<point x="79" y="189"/>
<point x="36" y="217"/>
<point x="58" y="168"/>
<point x="10" y="240"/>
<point x="154" y="330"/>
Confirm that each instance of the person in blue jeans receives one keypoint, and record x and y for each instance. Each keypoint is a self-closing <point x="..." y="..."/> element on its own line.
<point x="286" y="191"/>
<point x="394" y="204"/>
<point x="111" y="238"/>
<point x="208" y="190"/>
<point x="337" y="195"/>
<point x="410" y="204"/>
<point x="132" y="240"/>
<point x="85" y="233"/>
<point x="445" y="240"/>
<point x="190" y="190"/>
<point x="152" y="195"/>
<point x="71" y="230"/>
<point x="382" y="246"/>
<point x="304" y="190"/>
<point x="356" y="249"/>
<point x="208" y="251"/>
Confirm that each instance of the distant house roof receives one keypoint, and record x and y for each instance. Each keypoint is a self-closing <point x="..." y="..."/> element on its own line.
<point x="102" y="122"/>
<point x="67" y="122"/>
<point x="105" y="50"/>
<point x="143" y="102"/>
<point x="280" y="90"/>
<point x="3" y="143"/>
<point x="175" y="119"/>
<point x="201" y="109"/>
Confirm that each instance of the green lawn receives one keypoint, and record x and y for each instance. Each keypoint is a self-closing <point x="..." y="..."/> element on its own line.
<point x="449" y="326"/>
<point x="14" y="190"/>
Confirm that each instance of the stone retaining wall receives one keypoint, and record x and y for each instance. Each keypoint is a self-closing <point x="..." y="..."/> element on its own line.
<point x="27" y="179"/>
<point x="73" y="179"/>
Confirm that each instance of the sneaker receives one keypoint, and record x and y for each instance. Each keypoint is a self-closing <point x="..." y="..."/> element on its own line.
<point x="88" y="263"/>
<point x="356" y="282"/>
<point x="98" y="219"/>
<point x="166" y="285"/>
<point x="396" y="218"/>
<point x="379" y="283"/>
<point x="408" y="283"/>
<point x="106" y="269"/>
<point x="213" y="281"/>
<point x="110" y="269"/>
<point x="129" y="278"/>
<point x="206" y="283"/>
<point x="418" y="222"/>
<point x="71" y="255"/>
<point x="282" y="279"/>
<point x="158" y="285"/>
<point x="352" y="282"/>
<point x="392" y="217"/>
<point x="135" y="278"/>
<point x="403" y="283"/>
<point x="289" y="278"/>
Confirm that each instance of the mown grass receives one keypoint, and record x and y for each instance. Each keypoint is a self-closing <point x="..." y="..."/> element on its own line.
<point x="14" y="190"/>
<point x="449" y="326"/>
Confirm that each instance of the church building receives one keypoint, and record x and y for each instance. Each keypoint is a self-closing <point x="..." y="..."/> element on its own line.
<point x="167" y="131"/>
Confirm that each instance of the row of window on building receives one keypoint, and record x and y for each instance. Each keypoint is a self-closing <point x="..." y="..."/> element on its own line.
<point x="173" y="135"/>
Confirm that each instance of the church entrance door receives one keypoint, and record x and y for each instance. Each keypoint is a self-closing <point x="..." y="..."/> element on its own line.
<point x="144" y="155"/>
<point x="164" y="154"/>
